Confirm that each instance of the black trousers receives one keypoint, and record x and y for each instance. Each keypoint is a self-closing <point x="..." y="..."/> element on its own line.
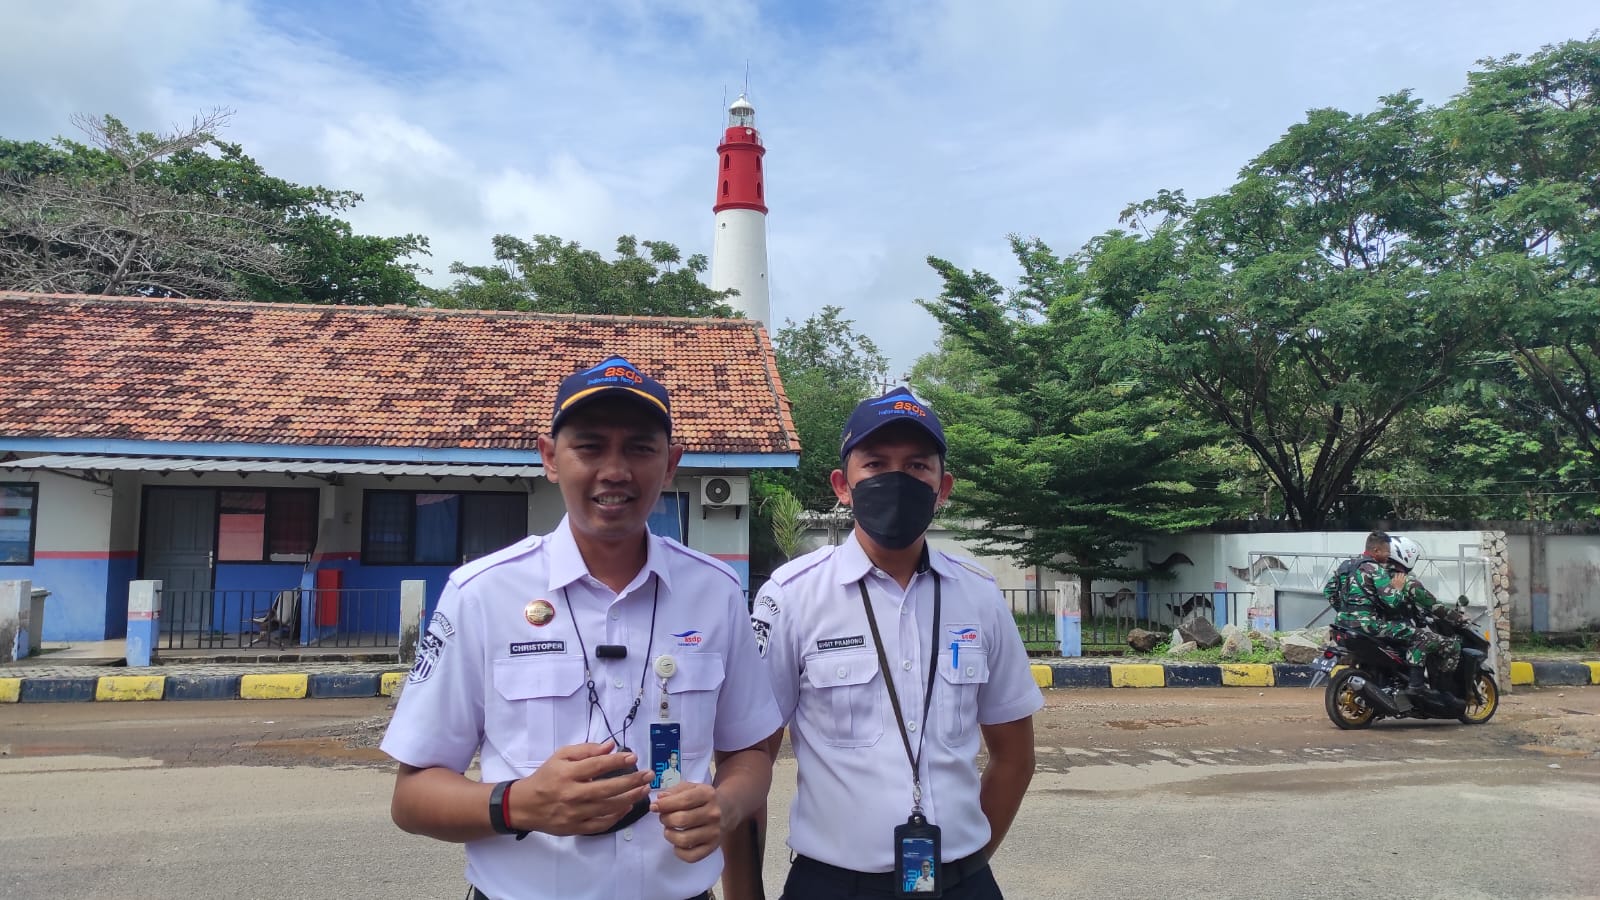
<point x="966" y="879"/>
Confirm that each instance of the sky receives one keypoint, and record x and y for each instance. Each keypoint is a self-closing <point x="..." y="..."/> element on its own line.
<point x="895" y="130"/>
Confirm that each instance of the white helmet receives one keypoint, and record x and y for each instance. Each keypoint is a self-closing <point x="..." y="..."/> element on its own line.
<point x="1404" y="552"/>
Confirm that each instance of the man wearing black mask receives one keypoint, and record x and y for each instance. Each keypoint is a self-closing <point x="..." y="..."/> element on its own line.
<point x="888" y="660"/>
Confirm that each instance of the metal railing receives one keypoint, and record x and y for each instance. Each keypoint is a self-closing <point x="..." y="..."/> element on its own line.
<point x="1108" y="616"/>
<point x="1031" y="601"/>
<point x="279" y="620"/>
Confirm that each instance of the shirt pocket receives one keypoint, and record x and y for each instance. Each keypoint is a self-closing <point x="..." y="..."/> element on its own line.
<point x="957" y="697"/>
<point x="538" y="706"/>
<point x="693" y="690"/>
<point x="845" y="704"/>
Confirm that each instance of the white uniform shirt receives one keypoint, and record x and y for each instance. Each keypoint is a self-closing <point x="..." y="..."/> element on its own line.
<point x="854" y="778"/>
<point x="486" y="676"/>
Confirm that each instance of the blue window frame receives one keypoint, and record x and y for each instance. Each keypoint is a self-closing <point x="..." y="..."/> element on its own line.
<point x="439" y="528"/>
<point x="670" y="517"/>
<point x="19" y="523"/>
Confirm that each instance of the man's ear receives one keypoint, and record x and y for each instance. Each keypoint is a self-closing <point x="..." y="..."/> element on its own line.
<point x="841" y="487"/>
<point x="674" y="456"/>
<point x="547" y="457"/>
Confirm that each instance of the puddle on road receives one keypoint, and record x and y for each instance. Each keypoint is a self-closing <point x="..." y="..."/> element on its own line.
<point x="1142" y="724"/>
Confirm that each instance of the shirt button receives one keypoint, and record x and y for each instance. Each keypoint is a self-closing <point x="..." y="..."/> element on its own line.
<point x="971" y="671"/>
<point x="627" y="834"/>
<point x="911" y="726"/>
<point x="905" y="664"/>
<point x="615" y="615"/>
<point x="618" y="683"/>
<point x="843" y="671"/>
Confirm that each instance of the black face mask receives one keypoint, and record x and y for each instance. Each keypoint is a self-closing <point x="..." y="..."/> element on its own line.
<point x="894" y="509"/>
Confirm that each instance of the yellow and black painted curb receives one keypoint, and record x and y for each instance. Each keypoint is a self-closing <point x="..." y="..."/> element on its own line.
<point x="1147" y="675"/>
<point x="298" y="685"/>
<point x="263" y="686"/>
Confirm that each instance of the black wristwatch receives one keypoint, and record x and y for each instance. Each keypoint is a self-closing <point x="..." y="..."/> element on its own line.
<point x="497" y="811"/>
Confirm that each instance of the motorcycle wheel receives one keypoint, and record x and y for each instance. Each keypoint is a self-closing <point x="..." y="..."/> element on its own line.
<point x="1479" y="713"/>
<point x="1346" y="707"/>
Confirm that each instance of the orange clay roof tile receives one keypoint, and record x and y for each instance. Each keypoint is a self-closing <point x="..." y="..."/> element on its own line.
<point x="130" y="368"/>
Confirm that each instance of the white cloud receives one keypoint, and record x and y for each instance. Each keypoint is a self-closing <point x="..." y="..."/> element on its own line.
<point x="894" y="130"/>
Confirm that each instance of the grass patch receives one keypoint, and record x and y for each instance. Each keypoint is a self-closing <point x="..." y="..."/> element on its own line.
<point x="1214" y="655"/>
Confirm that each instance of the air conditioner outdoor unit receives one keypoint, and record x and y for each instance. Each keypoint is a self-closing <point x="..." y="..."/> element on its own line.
<point x="725" y="490"/>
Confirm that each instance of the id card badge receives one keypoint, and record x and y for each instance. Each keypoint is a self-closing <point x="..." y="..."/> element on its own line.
<point x="665" y="759"/>
<point x="916" y="855"/>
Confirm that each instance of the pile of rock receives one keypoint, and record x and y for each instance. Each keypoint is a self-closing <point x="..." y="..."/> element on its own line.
<point x="1298" y="647"/>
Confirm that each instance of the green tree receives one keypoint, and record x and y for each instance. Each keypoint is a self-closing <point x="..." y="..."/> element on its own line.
<point x="647" y="278"/>
<point x="185" y="214"/>
<point x="1064" y="456"/>
<point x="1307" y="307"/>
<point x="1525" y="136"/>
<point x="827" y="368"/>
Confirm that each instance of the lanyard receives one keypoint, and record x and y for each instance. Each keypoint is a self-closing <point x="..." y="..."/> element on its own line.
<point x="894" y="695"/>
<point x="594" y="696"/>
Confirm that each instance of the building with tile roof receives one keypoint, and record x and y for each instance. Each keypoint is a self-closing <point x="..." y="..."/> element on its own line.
<point x="233" y="450"/>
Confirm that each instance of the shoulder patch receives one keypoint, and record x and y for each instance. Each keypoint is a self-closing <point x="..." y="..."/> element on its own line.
<point x="969" y="565"/>
<point x="794" y="568"/>
<point x="483" y="564"/>
<point x="694" y="554"/>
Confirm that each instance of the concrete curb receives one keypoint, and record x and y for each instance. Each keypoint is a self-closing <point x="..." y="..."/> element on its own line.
<point x="1172" y="675"/>
<point x="261" y="686"/>
<point x="1055" y="676"/>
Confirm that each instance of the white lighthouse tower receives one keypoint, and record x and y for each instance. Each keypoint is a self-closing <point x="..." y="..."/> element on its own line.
<point x="739" y="251"/>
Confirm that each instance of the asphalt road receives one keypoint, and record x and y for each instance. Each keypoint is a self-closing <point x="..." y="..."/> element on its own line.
<point x="1166" y="793"/>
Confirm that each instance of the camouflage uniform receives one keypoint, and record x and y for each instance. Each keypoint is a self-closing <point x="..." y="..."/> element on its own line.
<point x="1371" y="604"/>
<point x="1447" y="649"/>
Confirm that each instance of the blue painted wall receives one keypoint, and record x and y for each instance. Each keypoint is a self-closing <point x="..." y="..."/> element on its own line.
<point x="76" y="609"/>
<point x="246" y="590"/>
<point x="379" y="611"/>
<point x="120" y="571"/>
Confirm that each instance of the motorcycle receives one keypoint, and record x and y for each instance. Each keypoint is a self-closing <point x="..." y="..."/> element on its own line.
<point x="1372" y="683"/>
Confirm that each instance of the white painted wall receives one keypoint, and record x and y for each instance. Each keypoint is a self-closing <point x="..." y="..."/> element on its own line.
<point x="1573" y="565"/>
<point x="739" y="260"/>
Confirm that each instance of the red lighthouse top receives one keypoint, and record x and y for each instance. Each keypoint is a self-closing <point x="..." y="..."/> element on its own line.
<point x="739" y="178"/>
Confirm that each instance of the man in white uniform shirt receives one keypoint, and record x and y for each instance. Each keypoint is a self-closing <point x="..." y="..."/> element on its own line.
<point x="849" y="634"/>
<point x="566" y="660"/>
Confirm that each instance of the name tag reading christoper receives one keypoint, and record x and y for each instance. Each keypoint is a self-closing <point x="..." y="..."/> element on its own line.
<point x="524" y="648"/>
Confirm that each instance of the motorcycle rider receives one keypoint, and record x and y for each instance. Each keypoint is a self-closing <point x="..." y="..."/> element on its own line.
<point x="1377" y="550"/>
<point x="1404" y="554"/>
<point x="1371" y="601"/>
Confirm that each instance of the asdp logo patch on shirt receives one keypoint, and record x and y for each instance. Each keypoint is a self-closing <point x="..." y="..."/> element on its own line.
<point x="692" y="639"/>
<point x="431" y="647"/>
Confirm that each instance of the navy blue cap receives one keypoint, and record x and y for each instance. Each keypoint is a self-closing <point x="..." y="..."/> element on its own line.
<point x="613" y="377"/>
<point x="899" y="405"/>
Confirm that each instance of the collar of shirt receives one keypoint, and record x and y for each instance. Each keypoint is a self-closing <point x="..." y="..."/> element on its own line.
<point x="851" y="563"/>
<point x="567" y="566"/>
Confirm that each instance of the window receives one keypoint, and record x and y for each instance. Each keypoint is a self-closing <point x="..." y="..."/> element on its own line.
<point x="266" y="525"/>
<point x="758" y="190"/>
<point x="724" y="189"/>
<point x="19" y="504"/>
<point x="670" y="517"/>
<point x="437" y="528"/>
<point x="725" y="160"/>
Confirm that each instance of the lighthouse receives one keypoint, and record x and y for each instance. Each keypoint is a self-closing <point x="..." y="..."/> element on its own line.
<point x="739" y="250"/>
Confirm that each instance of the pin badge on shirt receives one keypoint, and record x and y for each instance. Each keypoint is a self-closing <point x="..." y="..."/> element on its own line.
<point x="539" y="613"/>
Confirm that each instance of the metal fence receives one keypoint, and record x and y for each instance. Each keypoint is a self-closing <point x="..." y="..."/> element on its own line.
<point x="1108" y="616"/>
<point x="268" y="619"/>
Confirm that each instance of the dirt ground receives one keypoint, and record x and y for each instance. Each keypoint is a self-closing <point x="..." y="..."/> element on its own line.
<point x="1076" y="727"/>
